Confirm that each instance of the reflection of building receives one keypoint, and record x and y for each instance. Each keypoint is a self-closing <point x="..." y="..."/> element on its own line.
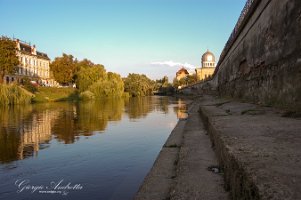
<point x="33" y="65"/>
<point x="181" y="110"/>
<point x="182" y="73"/>
<point x="36" y="133"/>
<point x="208" y="66"/>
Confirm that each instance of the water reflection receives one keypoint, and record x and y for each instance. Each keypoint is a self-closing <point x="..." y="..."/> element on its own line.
<point x="86" y="118"/>
<point x="24" y="130"/>
<point x="181" y="110"/>
<point x="139" y="107"/>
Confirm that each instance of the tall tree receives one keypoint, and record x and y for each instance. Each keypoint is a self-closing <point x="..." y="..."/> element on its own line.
<point x="87" y="75"/>
<point x="8" y="57"/>
<point x="64" y="69"/>
<point x="138" y="85"/>
<point x="112" y="86"/>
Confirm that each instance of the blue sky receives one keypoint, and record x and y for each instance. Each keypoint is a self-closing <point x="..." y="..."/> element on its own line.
<point x="127" y="36"/>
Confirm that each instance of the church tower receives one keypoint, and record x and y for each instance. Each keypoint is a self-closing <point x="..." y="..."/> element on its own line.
<point x="208" y="66"/>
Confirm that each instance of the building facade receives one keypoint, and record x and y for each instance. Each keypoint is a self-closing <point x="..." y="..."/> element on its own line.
<point x="182" y="73"/>
<point x="33" y="65"/>
<point x="208" y="66"/>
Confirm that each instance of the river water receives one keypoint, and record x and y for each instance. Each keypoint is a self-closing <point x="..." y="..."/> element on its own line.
<point x="88" y="150"/>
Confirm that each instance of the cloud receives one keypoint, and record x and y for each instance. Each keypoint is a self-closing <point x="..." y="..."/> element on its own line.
<point x="171" y="63"/>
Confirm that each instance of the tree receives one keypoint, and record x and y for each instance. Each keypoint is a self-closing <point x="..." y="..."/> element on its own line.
<point x="8" y="58"/>
<point x="64" y="69"/>
<point x="111" y="86"/>
<point x="138" y="85"/>
<point x="87" y="75"/>
<point x="191" y="79"/>
<point x="165" y="81"/>
<point x="162" y="83"/>
<point x="181" y="82"/>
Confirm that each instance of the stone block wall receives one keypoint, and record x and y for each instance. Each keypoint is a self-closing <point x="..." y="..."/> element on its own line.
<point x="264" y="63"/>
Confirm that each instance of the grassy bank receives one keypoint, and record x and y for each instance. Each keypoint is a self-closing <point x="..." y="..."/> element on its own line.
<point x="13" y="94"/>
<point x="49" y="94"/>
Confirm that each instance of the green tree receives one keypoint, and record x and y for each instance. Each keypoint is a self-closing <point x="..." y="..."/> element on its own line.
<point x="8" y="58"/>
<point x="191" y="79"/>
<point x="85" y="63"/>
<point x="138" y="85"/>
<point x="165" y="81"/>
<point x="162" y="83"/>
<point x="88" y="74"/>
<point x="64" y="69"/>
<point x="111" y="86"/>
<point x="182" y="82"/>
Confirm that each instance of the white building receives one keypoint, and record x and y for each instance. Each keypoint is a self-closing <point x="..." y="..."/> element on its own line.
<point x="33" y="65"/>
<point x="208" y="66"/>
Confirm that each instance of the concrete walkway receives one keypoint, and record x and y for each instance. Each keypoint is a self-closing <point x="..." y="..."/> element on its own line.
<point x="181" y="170"/>
<point x="258" y="152"/>
<point x="258" y="147"/>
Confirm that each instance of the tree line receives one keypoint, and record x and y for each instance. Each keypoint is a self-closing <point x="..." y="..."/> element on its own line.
<point x="92" y="80"/>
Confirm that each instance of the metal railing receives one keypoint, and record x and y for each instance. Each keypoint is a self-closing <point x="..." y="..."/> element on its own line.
<point x="244" y="16"/>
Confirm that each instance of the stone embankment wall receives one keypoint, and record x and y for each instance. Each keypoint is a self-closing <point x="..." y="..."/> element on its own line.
<point x="263" y="63"/>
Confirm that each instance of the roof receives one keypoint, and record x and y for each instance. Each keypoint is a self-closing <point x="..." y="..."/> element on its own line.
<point x="182" y="70"/>
<point x="42" y="55"/>
<point x="27" y="49"/>
<point x="206" y="54"/>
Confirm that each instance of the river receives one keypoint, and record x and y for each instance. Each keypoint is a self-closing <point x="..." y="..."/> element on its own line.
<point x="87" y="150"/>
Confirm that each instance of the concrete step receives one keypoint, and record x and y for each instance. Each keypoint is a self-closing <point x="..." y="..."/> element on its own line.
<point x="181" y="170"/>
<point x="194" y="179"/>
<point x="258" y="147"/>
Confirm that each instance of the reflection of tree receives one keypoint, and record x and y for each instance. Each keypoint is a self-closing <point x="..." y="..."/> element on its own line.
<point x="162" y="104"/>
<point x="9" y="143"/>
<point x="11" y="118"/>
<point x="138" y="107"/>
<point x="64" y="126"/>
<point x="86" y="117"/>
<point x="95" y="116"/>
<point x="23" y="129"/>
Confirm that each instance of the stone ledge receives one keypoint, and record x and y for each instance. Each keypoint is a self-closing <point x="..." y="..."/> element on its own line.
<point x="258" y="149"/>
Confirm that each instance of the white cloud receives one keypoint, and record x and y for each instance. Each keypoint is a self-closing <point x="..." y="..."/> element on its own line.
<point x="171" y="63"/>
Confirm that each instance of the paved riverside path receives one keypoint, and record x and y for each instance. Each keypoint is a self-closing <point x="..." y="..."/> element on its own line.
<point x="258" y="149"/>
<point x="181" y="169"/>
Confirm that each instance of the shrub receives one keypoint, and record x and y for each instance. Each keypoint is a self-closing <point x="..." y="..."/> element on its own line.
<point x="13" y="94"/>
<point x="29" y="86"/>
<point x="87" y="95"/>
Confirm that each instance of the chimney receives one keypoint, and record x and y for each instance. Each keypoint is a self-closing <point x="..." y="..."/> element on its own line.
<point x="34" y="50"/>
<point x="18" y="44"/>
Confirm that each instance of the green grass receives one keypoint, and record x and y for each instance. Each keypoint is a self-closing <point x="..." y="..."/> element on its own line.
<point x="49" y="94"/>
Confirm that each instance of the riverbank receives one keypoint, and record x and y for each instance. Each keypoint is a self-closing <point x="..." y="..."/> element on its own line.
<point x="50" y="94"/>
<point x="181" y="169"/>
<point x="257" y="153"/>
<point x="14" y="94"/>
